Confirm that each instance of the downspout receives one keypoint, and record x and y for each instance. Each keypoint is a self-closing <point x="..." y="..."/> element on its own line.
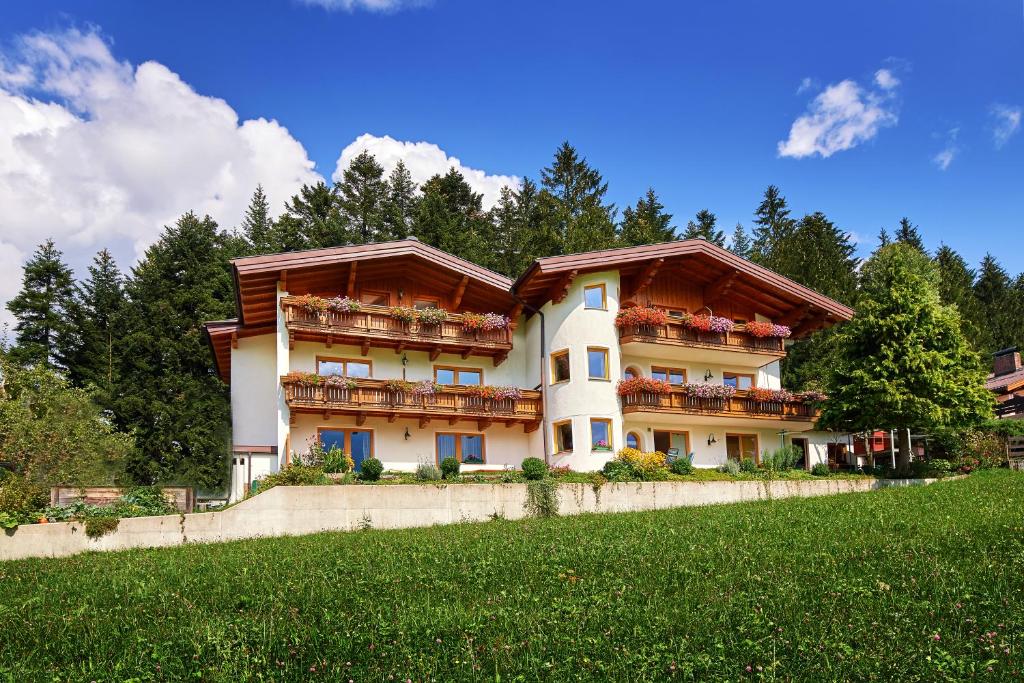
<point x="543" y="379"/>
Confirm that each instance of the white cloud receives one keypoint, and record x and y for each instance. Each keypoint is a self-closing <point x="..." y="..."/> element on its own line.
<point x="1007" y="123"/>
<point x="369" y="5"/>
<point x="885" y="79"/>
<point x="98" y="152"/>
<point x="945" y="157"/>
<point x="423" y="159"/>
<point x="806" y="84"/>
<point x="842" y="116"/>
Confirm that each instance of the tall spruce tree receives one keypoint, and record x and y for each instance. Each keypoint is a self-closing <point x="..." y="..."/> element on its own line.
<point x="993" y="291"/>
<point x="903" y="362"/>
<point x="908" y="233"/>
<point x="956" y="288"/>
<point x="167" y="391"/>
<point x="704" y="228"/>
<point x="400" y="204"/>
<point x="311" y="220"/>
<point x="647" y="222"/>
<point x="772" y="229"/>
<point x="574" y="208"/>
<point x="257" y="225"/>
<point x="450" y="216"/>
<point x="883" y="238"/>
<point x="740" y="242"/>
<point x="99" y="302"/>
<point x="362" y="195"/>
<point x="44" y="331"/>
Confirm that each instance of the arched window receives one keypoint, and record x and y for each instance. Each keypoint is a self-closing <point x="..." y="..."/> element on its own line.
<point x="633" y="440"/>
<point x="630" y="372"/>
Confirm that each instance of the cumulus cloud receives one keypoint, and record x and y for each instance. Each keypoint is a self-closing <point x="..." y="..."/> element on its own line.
<point x="806" y="84"/>
<point x="98" y="152"/>
<point x="369" y="5"/>
<point x="842" y="116"/>
<point x="945" y="157"/>
<point x="1006" y="123"/>
<point x="423" y="159"/>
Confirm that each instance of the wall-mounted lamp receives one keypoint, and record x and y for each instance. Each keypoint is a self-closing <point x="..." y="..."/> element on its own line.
<point x="711" y="439"/>
<point x="407" y="434"/>
<point x="401" y="295"/>
<point x="405" y="360"/>
<point x="708" y="376"/>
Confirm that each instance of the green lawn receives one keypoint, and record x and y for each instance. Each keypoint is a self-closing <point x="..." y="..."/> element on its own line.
<point x="911" y="584"/>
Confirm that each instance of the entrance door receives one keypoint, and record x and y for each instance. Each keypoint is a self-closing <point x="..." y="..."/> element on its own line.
<point x="802" y="462"/>
<point x="356" y="442"/>
<point x="672" y="443"/>
<point x="741" y="447"/>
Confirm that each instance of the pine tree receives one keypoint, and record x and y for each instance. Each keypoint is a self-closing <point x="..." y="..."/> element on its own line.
<point x="956" y="288"/>
<point x="450" y="217"/>
<point x="257" y="226"/>
<point x="907" y="233"/>
<point x="362" y="194"/>
<point x="704" y="229"/>
<point x="902" y="362"/>
<point x="647" y="222"/>
<point x="740" y="243"/>
<point x="400" y="205"/>
<point x="772" y="229"/>
<point x="994" y="295"/>
<point x="311" y="220"/>
<point x="166" y="389"/>
<point x="883" y="238"/>
<point x="99" y="302"/>
<point x="574" y="207"/>
<point x="43" y="308"/>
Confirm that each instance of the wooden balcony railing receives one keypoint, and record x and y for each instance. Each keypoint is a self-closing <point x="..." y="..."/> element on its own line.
<point x="677" y="334"/>
<point x="372" y="398"/>
<point x="740" y="405"/>
<point x="375" y="326"/>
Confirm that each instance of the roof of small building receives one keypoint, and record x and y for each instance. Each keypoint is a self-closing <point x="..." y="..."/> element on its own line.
<point x="1005" y="383"/>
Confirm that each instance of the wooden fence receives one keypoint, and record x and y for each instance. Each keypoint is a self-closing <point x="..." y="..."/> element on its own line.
<point x="181" y="497"/>
<point x="1015" y="452"/>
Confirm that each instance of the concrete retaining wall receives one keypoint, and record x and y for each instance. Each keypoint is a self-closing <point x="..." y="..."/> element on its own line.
<point x="285" y="511"/>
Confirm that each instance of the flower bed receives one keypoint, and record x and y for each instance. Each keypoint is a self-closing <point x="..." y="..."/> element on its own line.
<point x="767" y="330"/>
<point x="637" y="316"/>
<point x="642" y="385"/>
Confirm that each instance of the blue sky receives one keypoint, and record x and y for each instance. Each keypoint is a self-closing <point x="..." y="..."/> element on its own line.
<point x="895" y="108"/>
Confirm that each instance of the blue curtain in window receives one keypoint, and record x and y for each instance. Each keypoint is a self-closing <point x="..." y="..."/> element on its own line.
<point x="445" y="446"/>
<point x="472" y="449"/>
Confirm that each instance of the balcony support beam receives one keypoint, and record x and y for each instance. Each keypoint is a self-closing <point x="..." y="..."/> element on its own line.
<point x="435" y="352"/>
<point x="330" y="341"/>
<point x="350" y="288"/>
<point x="365" y="348"/>
<point x="400" y="347"/>
<point x="483" y="424"/>
<point x="720" y="288"/>
<point x="424" y="421"/>
<point x="513" y="316"/>
<point x="465" y="354"/>
<point x="360" y="419"/>
<point x="392" y="417"/>
<point x="795" y="316"/>
<point x="531" y="427"/>
<point x="459" y="292"/>
<point x="499" y="359"/>
<point x="561" y="288"/>
<point x="644" y="279"/>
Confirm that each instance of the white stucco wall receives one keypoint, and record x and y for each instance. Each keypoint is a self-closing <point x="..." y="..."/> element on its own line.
<point x="254" y="392"/>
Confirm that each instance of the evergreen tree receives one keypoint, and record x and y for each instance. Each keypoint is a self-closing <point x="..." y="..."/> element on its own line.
<point x="903" y="362"/>
<point x="310" y="220"/>
<point x="772" y="229"/>
<point x="98" y="307"/>
<point x="167" y="391"/>
<point x="647" y="223"/>
<point x="400" y="205"/>
<point x="956" y="288"/>
<point x="43" y="309"/>
<point x="362" y="196"/>
<point x="704" y="229"/>
<point x="574" y="207"/>
<point x="257" y="226"/>
<point x="450" y="217"/>
<point x="741" y="244"/>
<point x="883" y="238"/>
<point x="907" y="233"/>
<point x="993" y="291"/>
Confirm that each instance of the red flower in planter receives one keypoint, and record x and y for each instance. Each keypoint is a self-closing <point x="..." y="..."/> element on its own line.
<point x="642" y="385"/>
<point x="640" y="315"/>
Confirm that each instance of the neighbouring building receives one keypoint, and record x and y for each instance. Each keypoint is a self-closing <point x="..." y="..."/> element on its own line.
<point x="408" y="354"/>
<point x="1007" y="384"/>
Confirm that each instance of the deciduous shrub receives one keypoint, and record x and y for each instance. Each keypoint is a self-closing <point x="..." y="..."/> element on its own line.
<point x="427" y="471"/>
<point x="21" y="501"/>
<point x="616" y="470"/>
<point x="781" y="459"/>
<point x="681" y="465"/>
<point x="371" y="470"/>
<point x="294" y="474"/>
<point x="534" y="469"/>
<point x="450" y="468"/>
<point x="820" y="469"/>
<point x="729" y="467"/>
<point x="142" y="501"/>
<point x="632" y="464"/>
<point x="747" y="466"/>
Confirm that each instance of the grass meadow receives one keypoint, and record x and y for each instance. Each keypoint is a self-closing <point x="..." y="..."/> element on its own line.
<point x="917" y="584"/>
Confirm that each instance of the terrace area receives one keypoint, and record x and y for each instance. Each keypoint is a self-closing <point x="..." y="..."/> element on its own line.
<point x="753" y="404"/>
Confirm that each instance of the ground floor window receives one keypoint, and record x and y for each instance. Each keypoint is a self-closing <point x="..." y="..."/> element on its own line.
<point x="633" y="440"/>
<point x="356" y="442"/>
<point x="600" y="434"/>
<point x="466" y="448"/>
<point x="672" y="443"/>
<point x="742" y="447"/>
<point x="563" y="436"/>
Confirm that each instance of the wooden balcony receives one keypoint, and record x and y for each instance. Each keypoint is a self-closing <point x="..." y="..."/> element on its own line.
<point x="742" y="405"/>
<point x="371" y="398"/>
<point x="375" y="326"/>
<point x="674" y="333"/>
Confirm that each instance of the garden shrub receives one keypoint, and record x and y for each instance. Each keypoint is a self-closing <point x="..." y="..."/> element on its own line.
<point x="820" y="469"/>
<point x="291" y="475"/>
<point x="426" y="471"/>
<point x="100" y="525"/>
<point x="142" y="501"/>
<point x="337" y="461"/>
<point x="371" y="470"/>
<point x="541" y="498"/>
<point x="21" y="501"/>
<point x="559" y="470"/>
<point x="681" y="466"/>
<point x="450" y="468"/>
<point x="729" y="467"/>
<point x="534" y="469"/>
<point x="645" y="466"/>
<point x="747" y="466"/>
<point x="781" y="459"/>
<point x="616" y="470"/>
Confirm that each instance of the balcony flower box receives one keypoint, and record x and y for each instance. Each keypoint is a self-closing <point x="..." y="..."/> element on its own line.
<point x="708" y="323"/>
<point x="708" y="391"/>
<point x="812" y="397"/>
<point x="642" y="385"/>
<point x="343" y="304"/>
<point x="313" y="305"/>
<point x="646" y="318"/>
<point x="484" y="322"/>
<point x="763" y="330"/>
<point x="601" y="445"/>
<point x="431" y="318"/>
<point x="307" y="379"/>
<point x="339" y="382"/>
<point x="426" y="388"/>
<point x="763" y="395"/>
<point x="404" y="314"/>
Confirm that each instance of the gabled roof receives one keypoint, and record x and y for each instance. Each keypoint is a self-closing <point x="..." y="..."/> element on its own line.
<point x="330" y="270"/>
<point x="703" y="262"/>
<point x="1005" y="383"/>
